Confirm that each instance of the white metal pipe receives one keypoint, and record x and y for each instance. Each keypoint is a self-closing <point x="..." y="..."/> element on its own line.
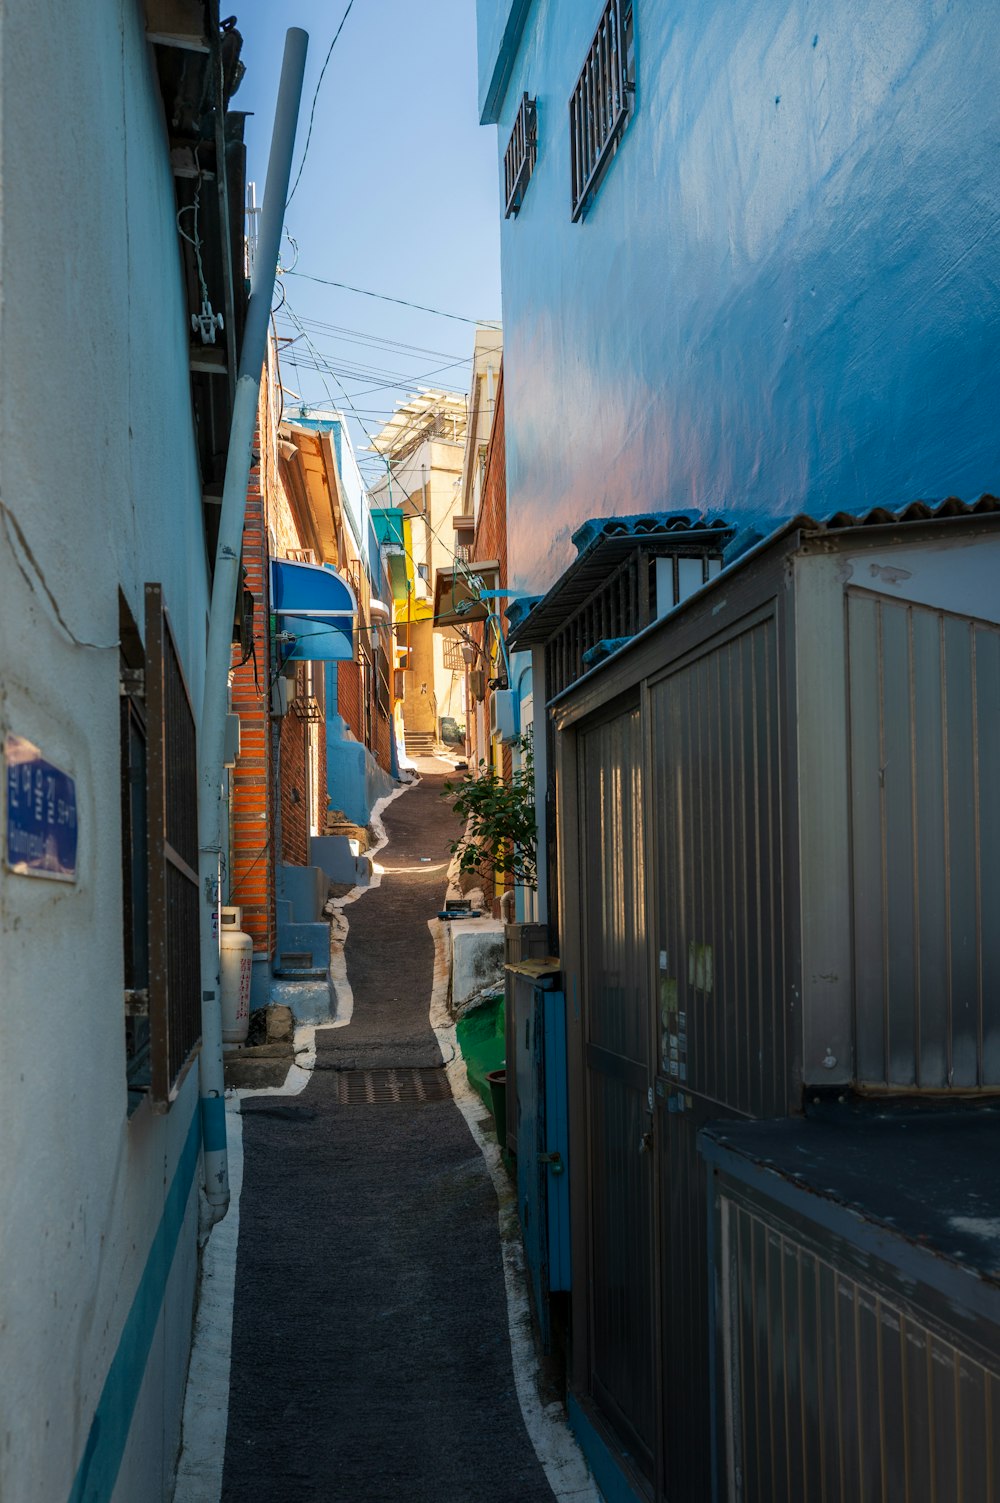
<point x="211" y="731"/>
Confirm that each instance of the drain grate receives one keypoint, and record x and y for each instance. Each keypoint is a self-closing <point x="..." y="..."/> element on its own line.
<point x="381" y="1087"/>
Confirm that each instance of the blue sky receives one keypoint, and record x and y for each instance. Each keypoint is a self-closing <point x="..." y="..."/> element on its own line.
<point x="399" y="194"/>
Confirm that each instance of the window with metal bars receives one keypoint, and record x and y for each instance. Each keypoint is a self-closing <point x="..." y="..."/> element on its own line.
<point x="135" y="864"/>
<point x="172" y="852"/>
<point x="601" y="102"/>
<point x="453" y="659"/>
<point x="384" y="684"/>
<point x="519" y="158"/>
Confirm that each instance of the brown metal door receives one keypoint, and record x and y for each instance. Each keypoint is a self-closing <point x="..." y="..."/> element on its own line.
<point x="716" y="869"/>
<point x="618" y="1080"/>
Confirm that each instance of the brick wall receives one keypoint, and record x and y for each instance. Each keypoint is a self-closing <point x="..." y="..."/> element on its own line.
<point x="349" y="697"/>
<point x="383" y="740"/>
<point x="293" y="782"/>
<point x="491" y="526"/>
<point x="251" y="880"/>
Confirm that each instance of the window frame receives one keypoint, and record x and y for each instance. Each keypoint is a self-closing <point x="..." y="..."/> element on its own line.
<point x="135" y="856"/>
<point x="172" y="847"/>
<point x="520" y="155"/>
<point x="602" y="102"/>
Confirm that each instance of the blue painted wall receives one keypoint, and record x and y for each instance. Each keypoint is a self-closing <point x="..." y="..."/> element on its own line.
<point x="785" y="295"/>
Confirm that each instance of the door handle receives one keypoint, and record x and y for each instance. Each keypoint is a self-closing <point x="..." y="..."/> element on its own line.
<point x="554" y="1161"/>
<point x="646" y="1142"/>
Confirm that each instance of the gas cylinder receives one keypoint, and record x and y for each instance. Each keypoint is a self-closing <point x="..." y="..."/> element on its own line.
<point x="236" y="968"/>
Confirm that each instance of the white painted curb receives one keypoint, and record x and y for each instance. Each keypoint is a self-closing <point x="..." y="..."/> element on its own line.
<point x="339" y="926"/>
<point x="206" y="1398"/>
<point x="555" y="1446"/>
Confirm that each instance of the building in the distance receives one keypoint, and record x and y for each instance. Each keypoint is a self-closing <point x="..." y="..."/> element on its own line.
<point x="422" y="446"/>
<point x="313" y="690"/>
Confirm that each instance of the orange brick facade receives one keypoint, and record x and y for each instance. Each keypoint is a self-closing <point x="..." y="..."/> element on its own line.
<point x="293" y="782"/>
<point x="251" y="881"/>
<point x="278" y="787"/>
<point x="262" y="834"/>
<point x="349" y="697"/>
<point x="491" y="530"/>
<point x="491" y="524"/>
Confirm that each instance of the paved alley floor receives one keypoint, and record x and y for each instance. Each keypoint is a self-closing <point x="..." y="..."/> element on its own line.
<point x="371" y="1356"/>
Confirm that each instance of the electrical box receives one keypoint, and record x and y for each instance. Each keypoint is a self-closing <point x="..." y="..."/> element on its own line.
<point x="232" y="743"/>
<point x="504" y="715"/>
<point x="280" y="696"/>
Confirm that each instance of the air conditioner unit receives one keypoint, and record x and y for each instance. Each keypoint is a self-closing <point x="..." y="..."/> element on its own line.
<point x="504" y="715"/>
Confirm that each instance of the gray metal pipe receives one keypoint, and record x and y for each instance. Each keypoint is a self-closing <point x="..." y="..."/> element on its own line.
<point x="211" y="730"/>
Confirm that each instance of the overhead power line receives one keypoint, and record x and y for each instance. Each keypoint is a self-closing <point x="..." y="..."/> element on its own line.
<point x="346" y="335"/>
<point x="402" y="301"/>
<point x="312" y="112"/>
<point x="460" y="565"/>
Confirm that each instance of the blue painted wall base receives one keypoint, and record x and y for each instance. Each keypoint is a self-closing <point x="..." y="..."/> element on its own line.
<point x="608" y="1474"/>
<point x="354" y="780"/>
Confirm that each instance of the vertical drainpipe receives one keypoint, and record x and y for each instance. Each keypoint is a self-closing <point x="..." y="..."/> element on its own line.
<point x="211" y="731"/>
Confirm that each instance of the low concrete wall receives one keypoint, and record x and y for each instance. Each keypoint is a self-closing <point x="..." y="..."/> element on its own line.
<point x="477" y="957"/>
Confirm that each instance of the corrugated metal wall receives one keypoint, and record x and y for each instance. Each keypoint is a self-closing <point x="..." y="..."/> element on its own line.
<point x="924" y="733"/>
<point x="716" y="820"/>
<point x="613" y="863"/>
<point x="835" y="1392"/>
<point x="718" y="862"/>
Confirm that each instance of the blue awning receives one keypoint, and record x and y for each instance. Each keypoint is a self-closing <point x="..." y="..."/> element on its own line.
<point x="316" y="605"/>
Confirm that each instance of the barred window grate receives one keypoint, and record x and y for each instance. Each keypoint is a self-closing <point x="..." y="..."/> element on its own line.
<point x="172" y="842"/>
<point x="453" y="659"/>
<point x="600" y="104"/>
<point x="519" y="158"/>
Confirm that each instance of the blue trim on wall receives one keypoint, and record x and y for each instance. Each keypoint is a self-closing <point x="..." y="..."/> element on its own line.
<point x="491" y="103"/>
<point x="608" y="1474"/>
<point x="213" y="1123"/>
<point x="102" y="1457"/>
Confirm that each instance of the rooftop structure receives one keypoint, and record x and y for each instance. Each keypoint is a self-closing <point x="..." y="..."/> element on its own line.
<point x="428" y="414"/>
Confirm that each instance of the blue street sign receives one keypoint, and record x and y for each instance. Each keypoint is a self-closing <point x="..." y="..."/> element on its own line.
<point x="41" y="814"/>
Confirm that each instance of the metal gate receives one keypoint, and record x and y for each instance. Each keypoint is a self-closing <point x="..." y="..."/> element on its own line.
<point x="715" y="858"/>
<point x="618" y="1084"/>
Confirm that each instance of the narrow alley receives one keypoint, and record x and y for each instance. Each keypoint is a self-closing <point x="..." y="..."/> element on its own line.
<point x="371" y="1354"/>
<point x="589" y="405"/>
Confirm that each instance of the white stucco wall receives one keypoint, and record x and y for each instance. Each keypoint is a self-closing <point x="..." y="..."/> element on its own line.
<point x="97" y="465"/>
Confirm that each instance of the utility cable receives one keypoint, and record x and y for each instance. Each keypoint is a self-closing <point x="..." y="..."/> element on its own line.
<point x="461" y="566"/>
<point x="489" y="323"/>
<point x="312" y="112"/>
<point x="348" y="335"/>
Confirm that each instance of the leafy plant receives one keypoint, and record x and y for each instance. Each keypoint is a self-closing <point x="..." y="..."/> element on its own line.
<point x="500" y="836"/>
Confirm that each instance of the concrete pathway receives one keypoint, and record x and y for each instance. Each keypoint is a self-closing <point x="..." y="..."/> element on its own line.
<point x="371" y="1354"/>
